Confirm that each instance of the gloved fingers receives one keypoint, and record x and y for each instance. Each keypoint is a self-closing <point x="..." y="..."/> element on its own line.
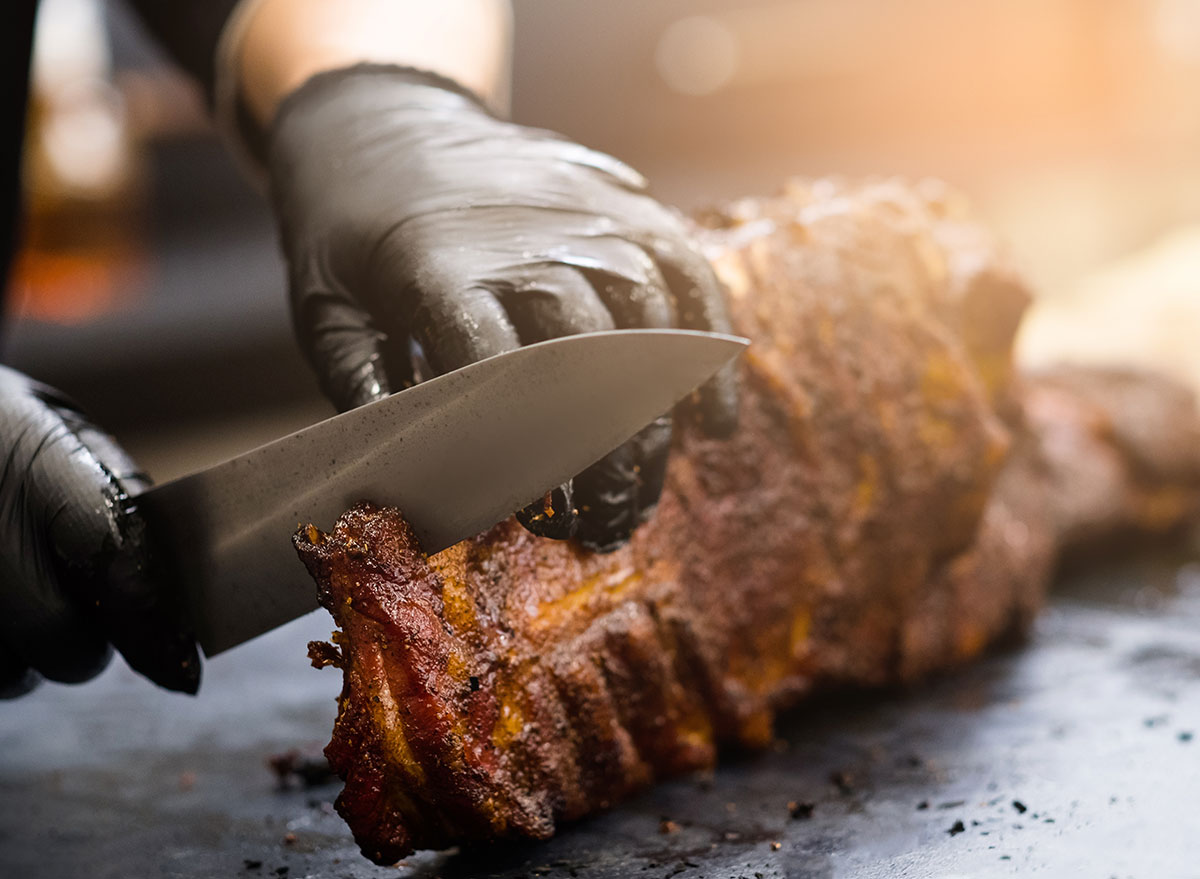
<point x="699" y="299"/>
<point x="551" y="300"/>
<point x="340" y="339"/>
<point x="146" y="631"/>
<point x="424" y="284"/>
<point x="101" y="554"/>
<point x="552" y="515"/>
<point x="651" y="448"/>
<point x="54" y="638"/>
<point x="700" y="303"/>
<point x="141" y="618"/>
<point x="455" y="328"/>
<point x="612" y="168"/>
<point x="606" y="498"/>
<point x="620" y="491"/>
<point x="40" y="479"/>
<point x="403" y="361"/>
<point x="629" y="283"/>
<point x="16" y="678"/>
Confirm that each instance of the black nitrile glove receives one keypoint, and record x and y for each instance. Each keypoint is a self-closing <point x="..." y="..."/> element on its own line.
<point x="409" y="213"/>
<point x="76" y="572"/>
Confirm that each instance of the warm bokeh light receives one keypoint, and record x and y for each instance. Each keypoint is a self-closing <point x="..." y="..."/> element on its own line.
<point x="1072" y="125"/>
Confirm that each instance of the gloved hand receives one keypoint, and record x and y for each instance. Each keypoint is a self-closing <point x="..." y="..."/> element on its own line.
<point x="409" y="213"/>
<point x="76" y="571"/>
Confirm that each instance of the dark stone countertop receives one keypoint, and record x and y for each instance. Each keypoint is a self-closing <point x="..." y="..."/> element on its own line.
<point x="1077" y="754"/>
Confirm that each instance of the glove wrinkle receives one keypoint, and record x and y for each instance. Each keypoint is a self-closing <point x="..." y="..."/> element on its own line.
<point x="554" y="301"/>
<point x="338" y="337"/>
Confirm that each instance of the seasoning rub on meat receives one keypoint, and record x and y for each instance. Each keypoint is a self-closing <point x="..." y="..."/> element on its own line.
<point x="893" y="502"/>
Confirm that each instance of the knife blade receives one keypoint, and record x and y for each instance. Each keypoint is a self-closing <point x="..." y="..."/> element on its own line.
<point x="457" y="454"/>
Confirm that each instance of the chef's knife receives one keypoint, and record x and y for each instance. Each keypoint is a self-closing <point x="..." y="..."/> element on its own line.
<point x="456" y="454"/>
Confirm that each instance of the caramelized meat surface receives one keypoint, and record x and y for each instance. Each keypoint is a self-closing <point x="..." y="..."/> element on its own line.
<point x="893" y="502"/>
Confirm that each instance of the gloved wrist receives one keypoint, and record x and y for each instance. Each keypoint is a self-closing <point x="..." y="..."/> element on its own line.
<point x="268" y="48"/>
<point x="426" y="87"/>
<point x="337" y="96"/>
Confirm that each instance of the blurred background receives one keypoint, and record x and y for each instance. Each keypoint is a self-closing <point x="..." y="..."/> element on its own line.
<point x="150" y="287"/>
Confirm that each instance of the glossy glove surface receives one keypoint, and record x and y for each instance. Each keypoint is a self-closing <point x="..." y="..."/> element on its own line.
<point x="76" y="573"/>
<point x="411" y="215"/>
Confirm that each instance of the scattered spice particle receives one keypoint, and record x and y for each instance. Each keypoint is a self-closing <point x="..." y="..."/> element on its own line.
<point x="952" y="804"/>
<point x="923" y="805"/>
<point x="843" y="781"/>
<point x="289" y="839"/>
<point x="956" y="828"/>
<point x="251" y="864"/>
<point x="800" y="811"/>
<point x="1157" y="720"/>
<point x="301" y="769"/>
<point x="1006" y="857"/>
<point x="1020" y="807"/>
<point x="666" y="825"/>
<point x="731" y="836"/>
<point x="281" y="871"/>
<point x="1048" y="821"/>
<point x="776" y="846"/>
<point x="1186" y="736"/>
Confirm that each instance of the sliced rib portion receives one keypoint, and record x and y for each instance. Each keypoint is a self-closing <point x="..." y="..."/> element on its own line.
<point x="892" y="503"/>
